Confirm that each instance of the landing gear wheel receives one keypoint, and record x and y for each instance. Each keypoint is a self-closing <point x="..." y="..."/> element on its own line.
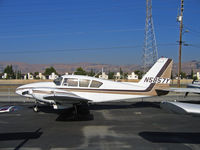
<point x="35" y="109"/>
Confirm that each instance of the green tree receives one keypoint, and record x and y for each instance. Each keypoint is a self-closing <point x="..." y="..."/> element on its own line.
<point x="35" y="75"/>
<point x="10" y="72"/>
<point x="121" y="73"/>
<point x="139" y="73"/>
<point x="183" y="75"/>
<point x="80" y="71"/>
<point x="192" y="74"/>
<point x="49" y="70"/>
<point x="18" y="74"/>
<point x="111" y="75"/>
<point x="172" y="75"/>
<point x="91" y="73"/>
<point x="125" y="75"/>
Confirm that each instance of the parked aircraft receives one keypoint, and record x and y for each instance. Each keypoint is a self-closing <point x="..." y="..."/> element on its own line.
<point x="6" y="109"/>
<point x="183" y="108"/>
<point x="195" y="84"/>
<point x="76" y="89"/>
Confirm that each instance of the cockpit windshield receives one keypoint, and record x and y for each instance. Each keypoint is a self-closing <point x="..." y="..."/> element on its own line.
<point x="58" y="81"/>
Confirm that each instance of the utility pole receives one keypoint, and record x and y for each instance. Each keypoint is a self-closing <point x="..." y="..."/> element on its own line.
<point x="180" y="19"/>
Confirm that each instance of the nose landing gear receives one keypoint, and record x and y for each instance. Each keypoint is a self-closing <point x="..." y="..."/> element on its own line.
<point x="35" y="108"/>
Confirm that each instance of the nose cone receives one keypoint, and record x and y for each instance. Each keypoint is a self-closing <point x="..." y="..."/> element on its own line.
<point x="20" y="90"/>
<point x="24" y="91"/>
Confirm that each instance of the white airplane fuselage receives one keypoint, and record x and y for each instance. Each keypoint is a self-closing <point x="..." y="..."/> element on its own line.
<point x="109" y="91"/>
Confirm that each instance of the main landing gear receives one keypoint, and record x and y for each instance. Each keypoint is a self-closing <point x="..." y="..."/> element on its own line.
<point x="81" y="111"/>
<point x="35" y="108"/>
<point x="75" y="106"/>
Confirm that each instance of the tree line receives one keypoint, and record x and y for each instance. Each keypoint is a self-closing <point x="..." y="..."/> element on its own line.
<point x="11" y="74"/>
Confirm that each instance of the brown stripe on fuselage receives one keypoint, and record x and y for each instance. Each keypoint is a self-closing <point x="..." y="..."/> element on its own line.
<point x="42" y="92"/>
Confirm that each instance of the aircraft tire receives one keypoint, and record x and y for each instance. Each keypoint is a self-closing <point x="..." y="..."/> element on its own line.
<point x="35" y="109"/>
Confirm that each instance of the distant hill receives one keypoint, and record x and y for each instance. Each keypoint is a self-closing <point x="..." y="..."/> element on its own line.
<point x="62" y="68"/>
<point x="188" y="66"/>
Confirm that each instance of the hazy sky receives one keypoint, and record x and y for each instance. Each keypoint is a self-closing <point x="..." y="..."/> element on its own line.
<point x="100" y="31"/>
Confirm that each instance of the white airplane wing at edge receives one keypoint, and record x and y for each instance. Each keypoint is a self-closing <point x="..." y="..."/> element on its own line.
<point x="181" y="108"/>
<point x="183" y="90"/>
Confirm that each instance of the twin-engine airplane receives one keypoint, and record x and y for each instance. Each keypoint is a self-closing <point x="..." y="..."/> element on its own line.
<point x="76" y="89"/>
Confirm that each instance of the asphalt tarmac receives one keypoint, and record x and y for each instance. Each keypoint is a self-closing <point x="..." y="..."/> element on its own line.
<point x="110" y="126"/>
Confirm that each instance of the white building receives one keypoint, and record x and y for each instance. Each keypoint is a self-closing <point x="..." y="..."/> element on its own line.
<point x="132" y="76"/>
<point x="53" y="76"/>
<point x="41" y="76"/>
<point x="4" y="76"/>
<point x="103" y="76"/>
<point x="25" y="77"/>
<point x="30" y="76"/>
<point x="118" y="76"/>
<point x="198" y="75"/>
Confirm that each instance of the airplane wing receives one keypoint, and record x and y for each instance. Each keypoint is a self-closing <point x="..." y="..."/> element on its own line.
<point x="181" y="108"/>
<point x="180" y="90"/>
<point x="65" y="98"/>
<point x="184" y="90"/>
<point x="57" y="95"/>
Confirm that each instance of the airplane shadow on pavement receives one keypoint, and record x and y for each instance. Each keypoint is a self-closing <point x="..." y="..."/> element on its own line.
<point x="102" y="106"/>
<point x="84" y="110"/>
<point x="25" y="136"/>
<point x="171" y="137"/>
<point x="68" y="114"/>
<point x="85" y="115"/>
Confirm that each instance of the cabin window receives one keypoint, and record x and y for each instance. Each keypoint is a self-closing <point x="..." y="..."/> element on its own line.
<point x="58" y="81"/>
<point x="70" y="82"/>
<point x="84" y="82"/>
<point x="95" y="84"/>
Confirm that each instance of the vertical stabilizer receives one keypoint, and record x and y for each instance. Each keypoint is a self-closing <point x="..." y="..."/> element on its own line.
<point x="158" y="77"/>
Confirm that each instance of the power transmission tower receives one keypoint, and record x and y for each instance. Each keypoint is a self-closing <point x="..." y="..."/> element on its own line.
<point x="150" y="54"/>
